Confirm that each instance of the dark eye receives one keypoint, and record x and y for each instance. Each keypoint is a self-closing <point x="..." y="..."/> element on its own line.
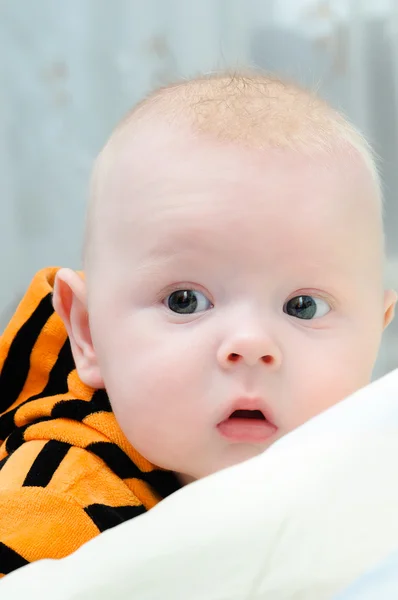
<point x="187" y="302"/>
<point x="306" y="307"/>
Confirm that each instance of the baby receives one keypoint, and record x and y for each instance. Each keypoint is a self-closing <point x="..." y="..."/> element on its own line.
<point x="233" y="289"/>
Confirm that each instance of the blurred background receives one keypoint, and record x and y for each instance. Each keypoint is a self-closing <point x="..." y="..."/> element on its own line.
<point x="70" y="70"/>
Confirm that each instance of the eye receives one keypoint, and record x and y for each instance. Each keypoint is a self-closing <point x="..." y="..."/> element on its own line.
<point x="187" y="302"/>
<point x="306" y="307"/>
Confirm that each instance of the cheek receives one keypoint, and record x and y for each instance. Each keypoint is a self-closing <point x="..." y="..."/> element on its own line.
<point x="329" y="371"/>
<point x="155" y="380"/>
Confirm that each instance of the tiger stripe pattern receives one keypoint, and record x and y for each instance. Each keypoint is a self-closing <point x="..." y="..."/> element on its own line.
<point x="67" y="472"/>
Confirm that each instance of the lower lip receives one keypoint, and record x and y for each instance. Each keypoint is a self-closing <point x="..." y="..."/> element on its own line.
<point x="246" y="430"/>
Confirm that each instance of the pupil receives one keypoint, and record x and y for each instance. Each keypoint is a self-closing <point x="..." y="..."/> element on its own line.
<point x="183" y="301"/>
<point x="303" y="307"/>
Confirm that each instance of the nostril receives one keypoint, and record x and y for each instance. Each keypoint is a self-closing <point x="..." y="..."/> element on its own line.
<point x="267" y="359"/>
<point x="233" y="357"/>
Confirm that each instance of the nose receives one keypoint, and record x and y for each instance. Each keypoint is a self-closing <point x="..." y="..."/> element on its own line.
<point x="249" y="349"/>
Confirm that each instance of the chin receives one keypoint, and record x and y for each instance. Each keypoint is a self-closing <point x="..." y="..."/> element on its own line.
<point x="243" y="452"/>
<point x="236" y="454"/>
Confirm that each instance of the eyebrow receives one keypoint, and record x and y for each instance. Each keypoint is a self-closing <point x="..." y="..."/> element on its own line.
<point x="173" y="245"/>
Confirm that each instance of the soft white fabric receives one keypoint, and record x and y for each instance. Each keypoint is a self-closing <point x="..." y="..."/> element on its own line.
<point x="379" y="584"/>
<point x="300" y="522"/>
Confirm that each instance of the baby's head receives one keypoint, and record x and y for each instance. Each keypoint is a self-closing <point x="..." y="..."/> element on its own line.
<point x="234" y="262"/>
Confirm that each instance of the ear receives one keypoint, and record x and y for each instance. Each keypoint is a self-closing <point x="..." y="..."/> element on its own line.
<point x="70" y="303"/>
<point x="390" y="299"/>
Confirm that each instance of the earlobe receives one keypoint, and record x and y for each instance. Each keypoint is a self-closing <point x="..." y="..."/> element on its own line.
<point x="70" y="303"/>
<point x="390" y="299"/>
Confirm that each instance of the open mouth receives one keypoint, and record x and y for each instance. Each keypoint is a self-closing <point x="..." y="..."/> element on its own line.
<point x="248" y="414"/>
<point x="247" y="425"/>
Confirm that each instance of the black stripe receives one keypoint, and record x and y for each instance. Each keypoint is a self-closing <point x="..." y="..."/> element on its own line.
<point x="115" y="459"/>
<point x="80" y="409"/>
<point x="3" y="461"/>
<point x="17" y="363"/>
<point x="163" y="482"/>
<point x="57" y="384"/>
<point x="46" y="463"/>
<point x="7" y="423"/>
<point x="105" y="517"/>
<point x="17" y="437"/>
<point x="58" y="379"/>
<point x="10" y="560"/>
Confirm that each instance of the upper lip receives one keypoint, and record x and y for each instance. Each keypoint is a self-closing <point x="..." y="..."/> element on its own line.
<point x="248" y="403"/>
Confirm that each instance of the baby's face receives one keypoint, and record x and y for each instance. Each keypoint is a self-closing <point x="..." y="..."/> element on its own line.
<point x="234" y="281"/>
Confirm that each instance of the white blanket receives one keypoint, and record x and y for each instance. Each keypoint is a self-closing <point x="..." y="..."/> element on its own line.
<point x="379" y="584"/>
<point x="300" y="522"/>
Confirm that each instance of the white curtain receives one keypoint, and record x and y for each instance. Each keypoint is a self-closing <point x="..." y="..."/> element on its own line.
<point x="69" y="70"/>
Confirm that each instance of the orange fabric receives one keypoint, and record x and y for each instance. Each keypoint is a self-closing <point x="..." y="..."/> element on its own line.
<point x="62" y="524"/>
<point x="67" y="472"/>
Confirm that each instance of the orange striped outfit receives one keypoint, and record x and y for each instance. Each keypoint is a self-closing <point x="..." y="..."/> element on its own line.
<point x="67" y="472"/>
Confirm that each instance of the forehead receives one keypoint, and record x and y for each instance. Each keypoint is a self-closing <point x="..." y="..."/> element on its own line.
<point x="173" y="195"/>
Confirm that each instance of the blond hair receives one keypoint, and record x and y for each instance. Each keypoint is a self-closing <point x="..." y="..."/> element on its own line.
<point x="251" y="109"/>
